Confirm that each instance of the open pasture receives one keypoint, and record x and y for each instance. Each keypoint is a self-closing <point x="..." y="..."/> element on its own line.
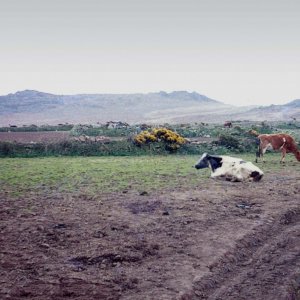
<point x="149" y="227"/>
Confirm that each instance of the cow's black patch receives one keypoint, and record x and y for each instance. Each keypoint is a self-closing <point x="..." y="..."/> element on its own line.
<point x="207" y="160"/>
<point x="215" y="162"/>
<point x="256" y="176"/>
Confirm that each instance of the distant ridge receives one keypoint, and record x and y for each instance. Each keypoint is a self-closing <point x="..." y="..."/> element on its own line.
<point x="288" y="111"/>
<point x="35" y="107"/>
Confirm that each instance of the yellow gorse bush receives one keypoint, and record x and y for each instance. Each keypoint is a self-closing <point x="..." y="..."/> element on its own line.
<point x="171" y="138"/>
<point x="145" y="137"/>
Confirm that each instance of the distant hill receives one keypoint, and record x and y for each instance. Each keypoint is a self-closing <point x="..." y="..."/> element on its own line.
<point x="34" y="107"/>
<point x="287" y="111"/>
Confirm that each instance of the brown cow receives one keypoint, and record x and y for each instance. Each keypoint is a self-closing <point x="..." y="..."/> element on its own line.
<point x="228" y="124"/>
<point x="282" y="142"/>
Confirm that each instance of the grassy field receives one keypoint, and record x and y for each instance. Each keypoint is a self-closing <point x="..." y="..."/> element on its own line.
<point x="119" y="227"/>
<point x="94" y="175"/>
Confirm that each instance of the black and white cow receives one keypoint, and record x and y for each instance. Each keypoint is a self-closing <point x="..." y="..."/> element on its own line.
<point x="229" y="168"/>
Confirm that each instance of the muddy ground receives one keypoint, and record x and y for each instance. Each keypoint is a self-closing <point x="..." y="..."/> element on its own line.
<point x="221" y="240"/>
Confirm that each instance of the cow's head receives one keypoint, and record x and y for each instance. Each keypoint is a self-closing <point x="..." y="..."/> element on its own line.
<point x="202" y="162"/>
<point x="207" y="161"/>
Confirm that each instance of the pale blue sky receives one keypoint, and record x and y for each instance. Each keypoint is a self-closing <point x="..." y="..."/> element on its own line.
<point x="236" y="51"/>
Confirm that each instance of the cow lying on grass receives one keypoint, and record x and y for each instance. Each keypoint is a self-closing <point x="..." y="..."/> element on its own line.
<point x="229" y="168"/>
<point x="281" y="141"/>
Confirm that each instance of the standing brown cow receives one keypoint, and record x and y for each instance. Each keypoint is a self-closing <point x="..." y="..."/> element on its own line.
<point x="282" y="142"/>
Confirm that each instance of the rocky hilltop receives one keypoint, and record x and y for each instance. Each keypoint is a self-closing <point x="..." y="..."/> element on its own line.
<point x="34" y="107"/>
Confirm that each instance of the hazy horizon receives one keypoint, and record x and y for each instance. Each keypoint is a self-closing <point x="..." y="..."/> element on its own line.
<point x="150" y="92"/>
<point x="237" y="52"/>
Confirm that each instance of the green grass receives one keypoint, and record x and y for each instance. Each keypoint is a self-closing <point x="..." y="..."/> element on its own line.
<point x="94" y="174"/>
<point x="98" y="175"/>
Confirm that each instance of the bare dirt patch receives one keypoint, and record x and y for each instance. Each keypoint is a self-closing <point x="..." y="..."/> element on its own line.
<point x="48" y="137"/>
<point x="221" y="240"/>
<point x="35" y="137"/>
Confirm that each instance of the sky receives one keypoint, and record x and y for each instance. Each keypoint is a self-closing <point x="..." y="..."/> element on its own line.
<point x="240" y="52"/>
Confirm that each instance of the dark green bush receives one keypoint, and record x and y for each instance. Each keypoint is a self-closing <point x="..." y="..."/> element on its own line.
<point x="229" y="141"/>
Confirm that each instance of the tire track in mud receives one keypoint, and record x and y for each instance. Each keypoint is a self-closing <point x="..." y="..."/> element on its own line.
<point x="186" y="236"/>
<point x="264" y="265"/>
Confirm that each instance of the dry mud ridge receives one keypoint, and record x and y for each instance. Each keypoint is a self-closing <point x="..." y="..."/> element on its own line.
<point x="221" y="240"/>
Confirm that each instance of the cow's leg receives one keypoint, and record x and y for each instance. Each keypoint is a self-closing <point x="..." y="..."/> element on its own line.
<point x="283" y="153"/>
<point x="257" y="140"/>
<point x="262" y="152"/>
<point x="259" y="153"/>
<point x="263" y="149"/>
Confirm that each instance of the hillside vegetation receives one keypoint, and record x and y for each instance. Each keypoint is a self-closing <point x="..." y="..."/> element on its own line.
<point x="102" y="140"/>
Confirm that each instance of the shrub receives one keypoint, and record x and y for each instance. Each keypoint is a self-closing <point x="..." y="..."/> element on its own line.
<point x="169" y="139"/>
<point x="145" y="137"/>
<point x="229" y="141"/>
